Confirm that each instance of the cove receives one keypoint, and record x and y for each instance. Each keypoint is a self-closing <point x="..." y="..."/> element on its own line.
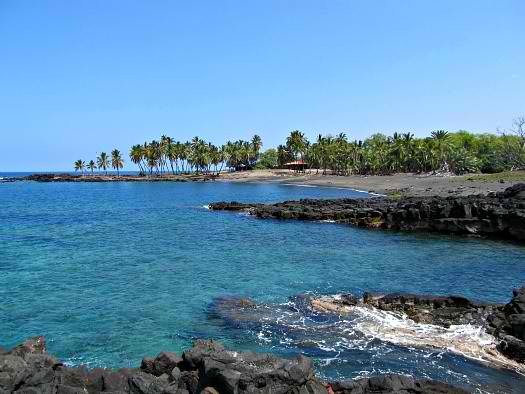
<point x="112" y="272"/>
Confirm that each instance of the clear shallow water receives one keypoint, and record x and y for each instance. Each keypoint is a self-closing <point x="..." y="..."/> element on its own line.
<point x="110" y="272"/>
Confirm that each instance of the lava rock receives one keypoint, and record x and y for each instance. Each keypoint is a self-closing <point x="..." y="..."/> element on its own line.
<point x="498" y="215"/>
<point x="508" y="323"/>
<point x="392" y="383"/>
<point x="205" y="368"/>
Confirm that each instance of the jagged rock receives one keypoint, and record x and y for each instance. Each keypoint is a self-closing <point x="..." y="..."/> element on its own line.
<point x="189" y="381"/>
<point x="162" y="364"/>
<point x="113" y="381"/>
<point x="148" y="365"/>
<point x="509" y="324"/>
<point x="499" y="215"/>
<point x="512" y="347"/>
<point x="437" y="310"/>
<point x="144" y="383"/>
<point x="391" y="383"/>
<point x="35" y="345"/>
<point x="231" y="372"/>
<point x="205" y="368"/>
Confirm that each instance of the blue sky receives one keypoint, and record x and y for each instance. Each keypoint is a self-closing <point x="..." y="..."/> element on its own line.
<point x="80" y="77"/>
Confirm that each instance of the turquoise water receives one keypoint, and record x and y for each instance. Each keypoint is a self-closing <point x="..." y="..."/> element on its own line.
<point x="110" y="272"/>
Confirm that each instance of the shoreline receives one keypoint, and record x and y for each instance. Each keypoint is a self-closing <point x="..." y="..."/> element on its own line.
<point x="479" y="331"/>
<point x="396" y="185"/>
<point x="499" y="215"/>
<point x="206" y="368"/>
<point x="484" y="333"/>
<point x="401" y="184"/>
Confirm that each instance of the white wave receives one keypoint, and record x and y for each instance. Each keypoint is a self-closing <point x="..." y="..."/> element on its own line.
<point x="467" y="340"/>
<point x="337" y="188"/>
<point x="299" y="185"/>
<point x="206" y="206"/>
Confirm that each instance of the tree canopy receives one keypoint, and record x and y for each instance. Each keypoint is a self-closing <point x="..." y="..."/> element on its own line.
<point x="460" y="152"/>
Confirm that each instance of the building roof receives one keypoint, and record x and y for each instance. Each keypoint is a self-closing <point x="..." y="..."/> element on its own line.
<point x="295" y="163"/>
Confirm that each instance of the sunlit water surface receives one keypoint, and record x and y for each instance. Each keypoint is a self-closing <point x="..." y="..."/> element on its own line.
<point x="110" y="272"/>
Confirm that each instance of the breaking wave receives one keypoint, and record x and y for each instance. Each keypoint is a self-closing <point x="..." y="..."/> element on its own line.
<point x="467" y="340"/>
<point x="369" y="341"/>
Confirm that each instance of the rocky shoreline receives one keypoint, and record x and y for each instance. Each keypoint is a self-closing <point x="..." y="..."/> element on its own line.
<point x="114" y="178"/>
<point x="206" y="368"/>
<point x="210" y="368"/>
<point x="504" y="322"/>
<point x="499" y="215"/>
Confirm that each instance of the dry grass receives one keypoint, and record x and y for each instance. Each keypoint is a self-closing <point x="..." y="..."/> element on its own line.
<point x="507" y="176"/>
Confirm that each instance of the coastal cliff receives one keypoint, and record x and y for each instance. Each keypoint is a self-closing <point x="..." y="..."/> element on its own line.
<point x="206" y="368"/>
<point x="496" y="214"/>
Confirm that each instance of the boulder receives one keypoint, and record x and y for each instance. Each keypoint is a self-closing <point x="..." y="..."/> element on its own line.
<point x="232" y="372"/>
<point x="512" y="348"/>
<point x="113" y="381"/>
<point x="162" y="364"/>
<point x="205" y="368"/>
<point x="399" y="384"/>
<point x="508" y="323"/>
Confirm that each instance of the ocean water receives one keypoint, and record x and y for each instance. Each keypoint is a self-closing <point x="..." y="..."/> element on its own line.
<point x="111" y="272"/>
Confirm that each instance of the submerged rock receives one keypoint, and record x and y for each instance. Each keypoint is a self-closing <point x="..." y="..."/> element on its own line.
<point x="438" y="310"/>
<point x="505" y="322"/>
<point x="341" y="304"/>
<point x="500" y="214"/>
<point x="206" y="368"/>
<point x="452" y="323"/>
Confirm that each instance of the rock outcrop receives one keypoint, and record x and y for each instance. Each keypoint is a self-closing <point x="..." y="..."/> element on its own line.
<point x="438" y="310"/>
<point x="206" y="368"/>
<point x="505" y="322"/>
<point x="497" y="214"/>
<point x="114" y="178"/>
<point x="398" y="384"/>
<point x="508" y="323"/>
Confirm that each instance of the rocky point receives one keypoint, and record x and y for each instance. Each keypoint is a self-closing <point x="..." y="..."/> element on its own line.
<point x="499" y="215"/>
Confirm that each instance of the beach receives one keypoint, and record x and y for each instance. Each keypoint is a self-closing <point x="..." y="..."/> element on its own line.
<point x="399" y="184"/>
<point x="396" y="184"/>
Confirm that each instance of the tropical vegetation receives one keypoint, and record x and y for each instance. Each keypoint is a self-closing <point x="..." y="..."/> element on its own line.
<point x="458" y="153"/>
<point x="195" y="156"/>
<point x="442" y="151"/>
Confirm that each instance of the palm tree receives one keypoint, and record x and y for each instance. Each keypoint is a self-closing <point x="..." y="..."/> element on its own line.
<point x="136" y="154"/>
<point x="256" y="145"/>
<point x="116" y="160"/>
<point x="80" y="166"/>
<point x="91" y="166"/>
<point x="297" y="143"/>
<point x="442" y="147"/>
<point x="171" y="153"/>
<point x="103" y="162"/>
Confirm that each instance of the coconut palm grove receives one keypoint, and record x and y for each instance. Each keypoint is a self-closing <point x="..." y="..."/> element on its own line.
<point x="458" y="153"/>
